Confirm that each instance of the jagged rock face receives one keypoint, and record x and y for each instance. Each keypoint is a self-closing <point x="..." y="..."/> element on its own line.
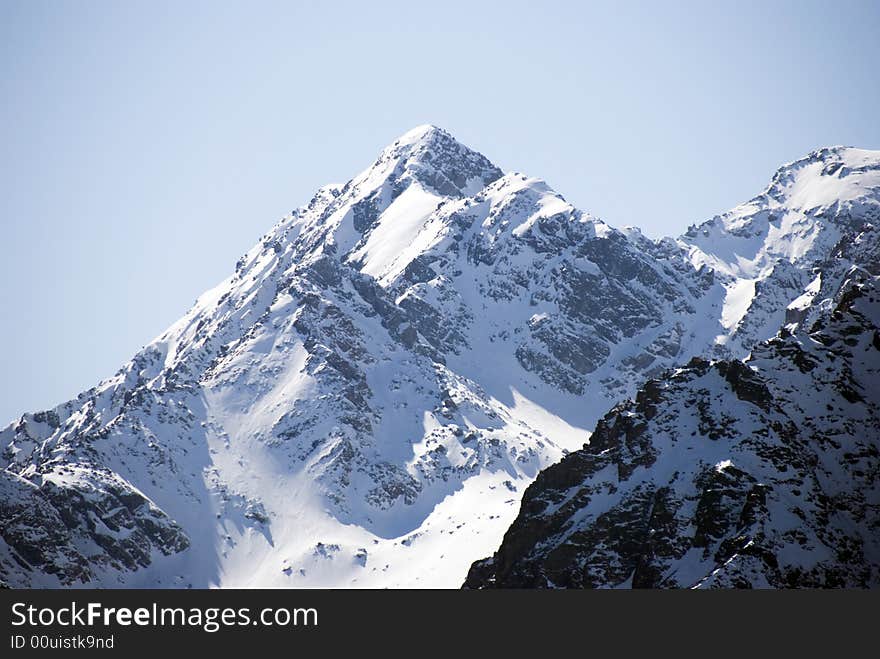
<point x="763" y="473"/>
<point x="80" y="520"/>
<point x="383" y="374"/>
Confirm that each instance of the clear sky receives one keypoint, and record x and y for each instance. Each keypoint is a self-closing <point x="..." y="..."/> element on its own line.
<point x="144" y="146"/>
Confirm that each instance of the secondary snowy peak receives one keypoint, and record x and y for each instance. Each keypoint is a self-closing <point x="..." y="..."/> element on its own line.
<point x="809" y="204"/>
<point x="771" y="250"/>
<point x="825" y="178"/>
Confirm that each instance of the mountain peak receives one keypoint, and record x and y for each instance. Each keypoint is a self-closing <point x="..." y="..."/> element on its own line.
<point x="437" y="160"/>
<point x="420" y="133"/>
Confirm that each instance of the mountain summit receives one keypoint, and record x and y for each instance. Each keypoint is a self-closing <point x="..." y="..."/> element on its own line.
<point x="363" y="401"/>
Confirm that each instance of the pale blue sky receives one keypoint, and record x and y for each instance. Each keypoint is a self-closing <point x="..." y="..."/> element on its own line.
<point x="144" y="146"/>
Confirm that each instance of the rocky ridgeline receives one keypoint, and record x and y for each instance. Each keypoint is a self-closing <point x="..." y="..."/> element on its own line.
<point x="762" y="473"/>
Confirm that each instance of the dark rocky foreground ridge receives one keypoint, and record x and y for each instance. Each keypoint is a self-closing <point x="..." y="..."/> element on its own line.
<point x="363" y="401"/>
<point x="755" y="473"/>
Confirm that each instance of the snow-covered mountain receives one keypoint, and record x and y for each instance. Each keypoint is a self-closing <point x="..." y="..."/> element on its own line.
<point x="755" y="473"/>
<point x="364" y="400"/>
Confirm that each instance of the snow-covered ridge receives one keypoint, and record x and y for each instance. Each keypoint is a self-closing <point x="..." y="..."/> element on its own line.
<point x="364" y="399"/>
<point x="769" y="250"/>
